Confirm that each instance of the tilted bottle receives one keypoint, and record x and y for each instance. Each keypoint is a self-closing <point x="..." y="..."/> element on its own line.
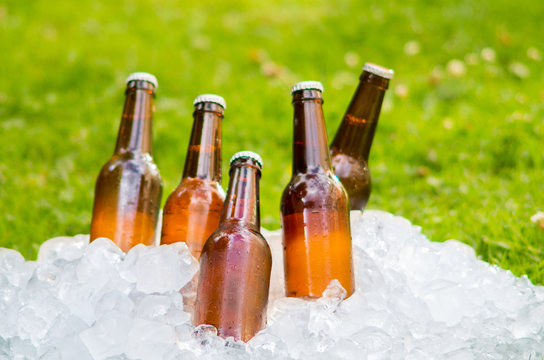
<point x="350" y="148"/>
<point x="235" y="264"/>
<point x="193" y="210"/>
<point x="314" y="205"/>
<point x="128" y="189"/>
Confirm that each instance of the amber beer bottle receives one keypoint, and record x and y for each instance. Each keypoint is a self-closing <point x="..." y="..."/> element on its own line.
<point x="128" y="189"/>
<point x="235" y="264"/>
<point x="351" y="145"/>
<point x="314" y="205"/>
<point x="193" y="210"/>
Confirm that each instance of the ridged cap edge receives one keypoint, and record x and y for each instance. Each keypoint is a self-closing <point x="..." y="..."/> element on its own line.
<point x="379" y="70"/>
<point x="150" y="78"/>
<point x="211" y="98"/>
<point x="248" y="154"/>
<point x="307" y="85"/>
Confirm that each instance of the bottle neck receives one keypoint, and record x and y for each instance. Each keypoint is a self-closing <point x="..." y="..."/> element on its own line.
<point x="310" y="145"/>
<point x="135" y="130"/>
<point x="356" y="132"/>
<point x="242" y="200"/>
<point x="204" y="152"/>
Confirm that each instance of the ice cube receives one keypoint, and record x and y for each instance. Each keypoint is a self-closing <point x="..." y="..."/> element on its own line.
<point x="99" y="263"/>
<point x="22" y="349"/>
<point x="114" y="300"/>
<point x="204" y="339"/>
<point x="154" y="307"/>
<point x="149" y="340"/>
<point x="165" y="268"/>
<point x="267" y="346"/>
<point x="108" y="336"/>
<point x="37" y="316"/>
<point x="68" y="248"/>
<point x="72" y="347"/>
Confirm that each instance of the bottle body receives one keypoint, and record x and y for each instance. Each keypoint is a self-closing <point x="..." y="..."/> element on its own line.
<point x="128" y="188"/>
<point x="316" y="235"/>
<point x="314" y="208"/>
<point x="193" y="210"/>
<point x="127" y="201"/>
<point x="236" y="262"/>
<point x="234" y="281"/>
<point x="354" y="173"/>
<point x="350" y="148"/>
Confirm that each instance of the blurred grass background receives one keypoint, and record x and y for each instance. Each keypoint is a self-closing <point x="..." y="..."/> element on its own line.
<point x="459" y="147"/>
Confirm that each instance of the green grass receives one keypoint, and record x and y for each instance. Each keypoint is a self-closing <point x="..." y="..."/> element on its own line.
<point x="458" y="153"/>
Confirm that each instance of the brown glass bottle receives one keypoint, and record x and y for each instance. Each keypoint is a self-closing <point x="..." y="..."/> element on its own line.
<point x="235" y="265"/>
<point x="128" y="189"/>
<point x="193" y="210"/>
<point x="350" y="148"/>
<point x="314" y="205"/>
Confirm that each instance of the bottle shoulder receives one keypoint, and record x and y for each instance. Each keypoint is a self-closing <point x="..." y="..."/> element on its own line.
<point x="319" y="190"/>
<point x="236" y="236"/>
<point x="131" y="163"/>
<point x="346" y="166"/>
<point x="318" y="183"/>
<point x="197" y="192"/>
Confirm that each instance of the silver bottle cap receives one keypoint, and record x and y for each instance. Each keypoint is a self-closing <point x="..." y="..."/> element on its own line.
<point x="379" y="70"/>
<point x="247" y="154"/>
<point x="307" y="85"/>
<point x="143" y="76"/>
<point x="210" y="98"/>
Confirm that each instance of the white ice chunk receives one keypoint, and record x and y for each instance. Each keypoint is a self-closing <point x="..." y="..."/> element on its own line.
<point x="149" y="340"/>
<point x="67" y="248"/>
<point x="165" y="268"/>
<point x="108" y="336"/>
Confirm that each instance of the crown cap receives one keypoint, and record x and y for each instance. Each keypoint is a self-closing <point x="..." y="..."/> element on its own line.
<point x="144" y="77"/>
<point x="307" y="85"/>
<point x="211" y="98"/>
<point x="247" y="154"/>
<point x="379" y="70"/>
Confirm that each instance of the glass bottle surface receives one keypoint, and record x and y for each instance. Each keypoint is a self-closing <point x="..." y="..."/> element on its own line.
<point x="351" y="145"/>
<point x="193" y="210"/>
<point x="235" y="265"/>
<point x="314" y="207"/>
<point x="128" y="188"/>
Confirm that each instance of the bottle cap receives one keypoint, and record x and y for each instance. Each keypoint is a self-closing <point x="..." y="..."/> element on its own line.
<point x="143" y="76"/>
<point x="379" y="70"/>
<point x="211" y="98"/>
<point x="307" y="85"/>
<point x="247" y="154"/>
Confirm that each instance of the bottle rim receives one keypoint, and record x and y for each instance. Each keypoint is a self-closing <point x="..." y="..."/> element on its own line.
<point x="378" y="70"/>
<point x="216" y="99"/>
<point x="247" y="154"/>
<point x="307" y="85"/>
<point x="150" y="78"/>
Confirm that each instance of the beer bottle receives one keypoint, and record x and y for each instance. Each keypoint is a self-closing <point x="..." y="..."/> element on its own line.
<point x="128" y="189"/>
<point x="351" y="145"/>
<point x="192" y="211"/>
<point x="235" y="264"/>
<point x="314" y="205"/>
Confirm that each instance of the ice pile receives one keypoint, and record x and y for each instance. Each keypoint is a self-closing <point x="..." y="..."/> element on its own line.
<point x="415" y="300"/>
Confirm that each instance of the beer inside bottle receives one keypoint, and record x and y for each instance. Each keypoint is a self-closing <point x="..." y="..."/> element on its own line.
<point x="350" y="147"/>
<point x="235" y="264"/>
<point x="193" y="210"/>
<point x="314" y="206"/>
<point x="128" y="189"/>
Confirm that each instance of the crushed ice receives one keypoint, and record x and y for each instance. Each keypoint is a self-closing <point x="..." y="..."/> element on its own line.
<point x="415" y="299"/>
